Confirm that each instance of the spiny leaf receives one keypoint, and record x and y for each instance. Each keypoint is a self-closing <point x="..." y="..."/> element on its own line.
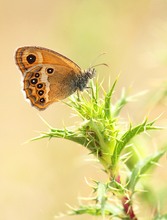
<point x="120" y="104"/>
<point x="107" y="108"/>
<point x="63" y="133"/>
<point x="101" y="193"/>
<point x="132" y="132"/>
<point x="124" y="99"/>
<point x="142" y="167"/>
<point x="109" y="210"/>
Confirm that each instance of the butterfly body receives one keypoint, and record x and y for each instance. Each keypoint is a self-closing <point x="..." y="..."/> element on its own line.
<point x="49" y="76"/>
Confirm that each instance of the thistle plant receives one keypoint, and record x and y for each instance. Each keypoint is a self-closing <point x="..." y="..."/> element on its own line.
<point x="102" y="133"/>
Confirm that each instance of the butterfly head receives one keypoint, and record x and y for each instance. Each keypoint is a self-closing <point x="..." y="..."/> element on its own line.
<point x="83" y="78"/>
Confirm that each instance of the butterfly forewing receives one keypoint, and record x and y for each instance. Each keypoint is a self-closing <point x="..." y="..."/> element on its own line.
<point x="27" y="57"/>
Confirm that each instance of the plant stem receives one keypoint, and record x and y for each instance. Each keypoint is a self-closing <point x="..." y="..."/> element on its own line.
<point x="128" y="209"/>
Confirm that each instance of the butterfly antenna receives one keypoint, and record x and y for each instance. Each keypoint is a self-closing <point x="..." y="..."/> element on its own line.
<point x="100" y="64"/>
<point x="104" y="64"/>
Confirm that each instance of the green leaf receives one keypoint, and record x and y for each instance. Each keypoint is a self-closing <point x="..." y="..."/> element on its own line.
<point x="120" y="104"/>
<point x="124" y="99"/>
<point x="65" y="134"/>
<point x="89" y="209"/>
<point x="142" y="167"/>
<point x="161" y="217"/>
<point x="132" y="132"/>
<point x="101" y="193"/>
<point x="100" y="204"/>
<point x="107" y="108"/>
<point x="110" y="210"/>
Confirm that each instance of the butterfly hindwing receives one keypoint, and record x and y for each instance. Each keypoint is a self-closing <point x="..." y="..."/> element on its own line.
<point x="48" y="83"/>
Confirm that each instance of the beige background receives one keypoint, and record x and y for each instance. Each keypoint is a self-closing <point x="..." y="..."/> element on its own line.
<point x="37" y="179"/>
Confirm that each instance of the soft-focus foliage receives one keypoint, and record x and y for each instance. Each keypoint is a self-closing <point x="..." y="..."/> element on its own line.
<point x="36" y="176"/>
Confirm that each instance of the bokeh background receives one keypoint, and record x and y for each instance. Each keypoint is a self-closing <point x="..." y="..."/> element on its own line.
<point x="38" y="179"/>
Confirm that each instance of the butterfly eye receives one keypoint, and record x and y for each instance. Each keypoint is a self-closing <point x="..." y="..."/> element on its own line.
<point x="50" y="70"/>
<point x="34" y="81"/>
<point x="31" y="58"/>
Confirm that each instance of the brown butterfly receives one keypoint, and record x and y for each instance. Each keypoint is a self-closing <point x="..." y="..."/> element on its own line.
<point x="49" y="76"/>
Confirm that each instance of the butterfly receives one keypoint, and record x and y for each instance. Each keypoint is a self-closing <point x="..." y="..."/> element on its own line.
<point x="49" y="76"/>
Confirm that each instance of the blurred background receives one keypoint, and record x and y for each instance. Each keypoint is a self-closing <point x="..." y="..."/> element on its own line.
<point x="38" y="179"/>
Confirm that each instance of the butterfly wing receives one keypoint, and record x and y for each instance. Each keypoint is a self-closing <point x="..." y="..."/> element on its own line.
<point x="48" y="76"/>
<point x="27" y="57"/>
